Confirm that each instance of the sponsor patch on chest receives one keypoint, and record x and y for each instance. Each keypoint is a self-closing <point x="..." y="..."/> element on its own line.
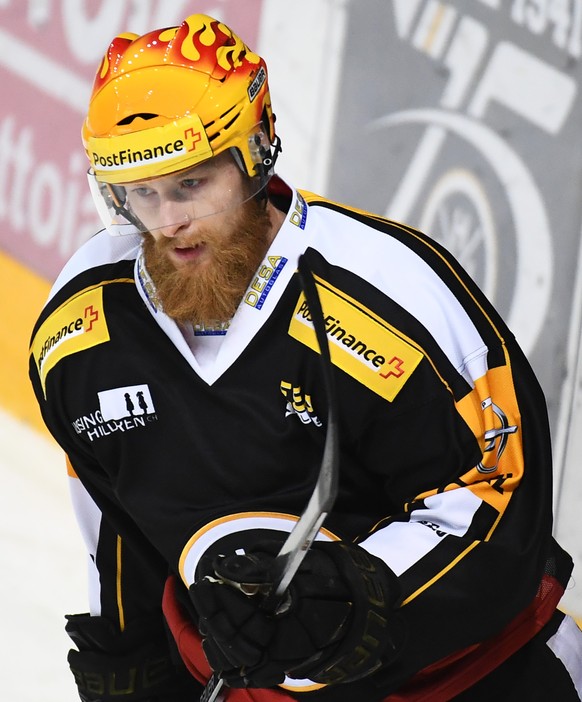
<point x="361" y="343"/>
<point x="120" y="411"/>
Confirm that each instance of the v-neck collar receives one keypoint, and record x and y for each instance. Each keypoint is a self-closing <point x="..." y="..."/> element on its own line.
<point x="261" y="297"/>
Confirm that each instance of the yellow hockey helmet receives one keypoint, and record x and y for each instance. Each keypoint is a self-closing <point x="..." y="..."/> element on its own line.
<point x="173" y="98"/>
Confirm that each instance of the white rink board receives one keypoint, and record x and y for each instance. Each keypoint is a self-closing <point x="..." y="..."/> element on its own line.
<point x="42" y="562"/>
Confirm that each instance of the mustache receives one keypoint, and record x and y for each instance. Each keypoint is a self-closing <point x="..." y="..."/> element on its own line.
<point x="187" y="241"/>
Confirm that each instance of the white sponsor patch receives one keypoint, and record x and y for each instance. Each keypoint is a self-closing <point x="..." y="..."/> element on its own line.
<point x="130" y="401"/>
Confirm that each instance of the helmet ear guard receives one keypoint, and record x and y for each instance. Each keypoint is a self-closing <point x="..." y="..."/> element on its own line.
<point x="261" y="153"/>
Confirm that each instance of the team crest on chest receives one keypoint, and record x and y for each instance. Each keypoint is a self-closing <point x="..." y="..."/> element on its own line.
<point x="299" y="404"/>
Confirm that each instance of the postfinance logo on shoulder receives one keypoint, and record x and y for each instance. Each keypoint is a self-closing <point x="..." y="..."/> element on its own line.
<point x="361" y="343"/>
<point x="77" y="325"/>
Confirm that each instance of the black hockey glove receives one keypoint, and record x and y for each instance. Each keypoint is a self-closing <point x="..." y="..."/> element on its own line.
<point x="126" y="667"/>
<point x="337" y="623"/>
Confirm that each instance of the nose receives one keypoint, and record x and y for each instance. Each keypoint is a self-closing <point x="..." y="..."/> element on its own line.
<point x="174" y="218"/>
<point x="171" y="230"/>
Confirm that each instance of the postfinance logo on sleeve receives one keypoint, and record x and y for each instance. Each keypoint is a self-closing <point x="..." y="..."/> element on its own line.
<point x="361" y="343"/>
<point x="77" y="325"/>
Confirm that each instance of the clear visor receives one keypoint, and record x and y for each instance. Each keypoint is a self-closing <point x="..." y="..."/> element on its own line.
<point x="155" y="204"/>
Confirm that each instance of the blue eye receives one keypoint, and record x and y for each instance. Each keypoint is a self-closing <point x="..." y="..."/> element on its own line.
<point x="142" y="192"/>
<point x="190" y="183"/>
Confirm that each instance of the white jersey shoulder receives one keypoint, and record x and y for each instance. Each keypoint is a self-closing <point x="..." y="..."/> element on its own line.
<point x="405" y="277"/>
<point x="97" y="251"/>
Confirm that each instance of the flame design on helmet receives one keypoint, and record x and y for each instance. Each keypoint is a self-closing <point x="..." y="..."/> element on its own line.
<point x="200" y="43"/>
<point x="200" y="67"/>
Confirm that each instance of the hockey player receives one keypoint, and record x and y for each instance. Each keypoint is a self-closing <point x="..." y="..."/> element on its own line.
<point x="176" y="364"/>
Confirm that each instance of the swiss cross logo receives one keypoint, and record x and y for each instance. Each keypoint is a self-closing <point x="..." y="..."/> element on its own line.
<point x="194" y="136"/>
<point x="91" y="316"/>
<point x="397" y="369"/>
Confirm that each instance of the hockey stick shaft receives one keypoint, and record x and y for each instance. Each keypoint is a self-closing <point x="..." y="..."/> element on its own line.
<point x="301" y="537"/>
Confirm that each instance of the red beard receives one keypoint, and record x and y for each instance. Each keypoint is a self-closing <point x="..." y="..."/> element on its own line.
<point x="211" y="292"/>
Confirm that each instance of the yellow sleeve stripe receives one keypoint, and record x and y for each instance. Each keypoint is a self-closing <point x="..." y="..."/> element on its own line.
<point x="438" y="576"/>
<point x="119" y="594"/>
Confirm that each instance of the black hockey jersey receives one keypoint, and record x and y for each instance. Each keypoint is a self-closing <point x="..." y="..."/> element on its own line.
<point x="180" y="443"/>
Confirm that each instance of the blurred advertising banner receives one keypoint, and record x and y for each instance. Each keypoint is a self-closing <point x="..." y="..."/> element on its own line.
<point x="49" y="52"/>
<point x="465" y="120"/>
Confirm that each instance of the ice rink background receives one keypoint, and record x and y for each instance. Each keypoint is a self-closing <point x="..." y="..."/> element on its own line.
<point x="42" y="574"/>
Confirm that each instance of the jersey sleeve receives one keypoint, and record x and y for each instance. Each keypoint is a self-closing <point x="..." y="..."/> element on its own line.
<point x="459" y="449"/>
<point x="126" y="576"/>
<point x="124" y="630"/>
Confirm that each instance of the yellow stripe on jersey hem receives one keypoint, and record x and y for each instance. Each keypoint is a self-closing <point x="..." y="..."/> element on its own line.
<point x="118" y="590"/>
